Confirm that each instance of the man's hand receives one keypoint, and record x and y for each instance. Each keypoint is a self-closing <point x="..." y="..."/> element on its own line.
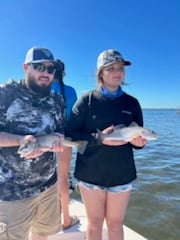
<point x="58" y="145"/>
<point x="36" y="152"/>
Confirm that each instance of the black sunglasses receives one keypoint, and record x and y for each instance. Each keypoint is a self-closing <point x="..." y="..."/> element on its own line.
<point x="42" y="68"/>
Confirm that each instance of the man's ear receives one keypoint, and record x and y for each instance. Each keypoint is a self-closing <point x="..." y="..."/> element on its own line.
<point x="25" y="67"/>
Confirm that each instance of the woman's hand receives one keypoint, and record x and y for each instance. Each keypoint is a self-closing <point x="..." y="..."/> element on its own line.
<point x="138" y="141"/>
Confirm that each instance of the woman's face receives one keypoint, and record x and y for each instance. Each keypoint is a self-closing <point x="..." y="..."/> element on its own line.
<point x="113" y="75"/>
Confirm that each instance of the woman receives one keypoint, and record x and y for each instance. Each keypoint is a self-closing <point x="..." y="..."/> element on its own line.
<point x="106" y="170"/>
<point x="70" y="96"/>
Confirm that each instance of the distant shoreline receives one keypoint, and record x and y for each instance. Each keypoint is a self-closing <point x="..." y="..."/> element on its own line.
<point x="175" y="109"/>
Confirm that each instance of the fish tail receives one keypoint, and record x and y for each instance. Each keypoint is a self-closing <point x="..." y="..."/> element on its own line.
<point x="99" y="136"/>
<point x="82" y="146"/>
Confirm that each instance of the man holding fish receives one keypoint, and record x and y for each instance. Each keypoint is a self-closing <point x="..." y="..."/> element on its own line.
<point x="28" y="179"/>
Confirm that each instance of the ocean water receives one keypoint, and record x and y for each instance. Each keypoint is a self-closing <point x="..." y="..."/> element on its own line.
<point x="154" y="207"/>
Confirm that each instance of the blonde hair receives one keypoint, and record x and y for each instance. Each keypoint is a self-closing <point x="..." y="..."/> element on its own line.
<point x="99" y="79"/>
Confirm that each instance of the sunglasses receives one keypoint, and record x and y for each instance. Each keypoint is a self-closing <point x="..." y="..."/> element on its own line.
<point x="42" y="68"/>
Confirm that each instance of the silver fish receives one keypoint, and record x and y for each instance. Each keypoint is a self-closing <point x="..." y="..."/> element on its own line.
<point x="45" y="142"/>
<point x="121" y="132"/>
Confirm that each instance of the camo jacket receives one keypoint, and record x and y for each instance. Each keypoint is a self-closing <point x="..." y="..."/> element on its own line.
<point x="24" y="112"/>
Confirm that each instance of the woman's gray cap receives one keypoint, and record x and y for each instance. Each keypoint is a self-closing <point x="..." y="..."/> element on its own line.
<point x="109" y="57"/>
<point x="36" y="55"/>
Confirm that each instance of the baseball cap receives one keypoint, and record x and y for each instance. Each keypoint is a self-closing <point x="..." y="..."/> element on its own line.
<point x="36" y="54"/>
<point x="109" y="57"/>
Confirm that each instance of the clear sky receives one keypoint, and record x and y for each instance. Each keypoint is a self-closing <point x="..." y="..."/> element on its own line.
<point x="146" y="32"/>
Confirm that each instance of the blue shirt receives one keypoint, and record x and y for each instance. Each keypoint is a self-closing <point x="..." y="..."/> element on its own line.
<point x="70" y="96"/>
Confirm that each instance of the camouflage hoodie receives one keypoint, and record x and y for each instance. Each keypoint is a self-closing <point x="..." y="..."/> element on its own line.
<point x="24" y="112"/>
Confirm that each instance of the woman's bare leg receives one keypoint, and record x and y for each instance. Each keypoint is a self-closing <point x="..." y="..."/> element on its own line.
<point x="115" y="212"/>
<point x="95" y="203"/>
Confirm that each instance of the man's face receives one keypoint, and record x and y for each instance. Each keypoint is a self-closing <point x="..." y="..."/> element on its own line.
<point x="39" y="76"/>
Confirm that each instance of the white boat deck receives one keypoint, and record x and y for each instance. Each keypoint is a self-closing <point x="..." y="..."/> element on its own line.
<point x="78" y="231"/>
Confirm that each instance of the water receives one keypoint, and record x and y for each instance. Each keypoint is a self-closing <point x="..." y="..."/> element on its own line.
<point x="154" y="209"/>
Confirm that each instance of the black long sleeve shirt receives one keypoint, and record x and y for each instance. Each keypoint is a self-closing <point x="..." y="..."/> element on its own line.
<point x="102" y="164"/>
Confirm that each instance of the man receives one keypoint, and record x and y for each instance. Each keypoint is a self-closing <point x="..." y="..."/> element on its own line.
<point x="64" y="159"/>
<point x="28" y="190"/>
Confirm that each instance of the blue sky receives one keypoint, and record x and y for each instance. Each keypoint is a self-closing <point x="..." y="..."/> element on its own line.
<point x="146" y="32"/>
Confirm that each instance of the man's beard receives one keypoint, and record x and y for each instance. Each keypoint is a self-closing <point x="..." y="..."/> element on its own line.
<point x="43" y="90"/>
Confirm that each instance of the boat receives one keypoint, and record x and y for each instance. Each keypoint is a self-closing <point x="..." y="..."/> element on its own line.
<point x="78" y="231"/>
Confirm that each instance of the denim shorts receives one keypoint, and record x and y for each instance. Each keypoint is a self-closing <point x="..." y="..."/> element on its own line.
<point x="114" y="189"/>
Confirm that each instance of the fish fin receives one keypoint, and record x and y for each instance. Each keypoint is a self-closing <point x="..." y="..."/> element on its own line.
<point x="82" y="146"/>
<point x="21" y="147"/>
<point x="133" y="124"/>
<point x="68" y="138"/>
<point x="119" y="126"/>
<point x="25" y="145"/>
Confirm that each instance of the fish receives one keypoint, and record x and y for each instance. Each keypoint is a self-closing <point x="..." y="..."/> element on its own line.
<point x="122" y="132"/>
<point x="45" y="142"/>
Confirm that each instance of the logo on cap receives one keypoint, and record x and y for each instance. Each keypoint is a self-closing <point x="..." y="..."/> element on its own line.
<point x="109" y="57"/>
<point x="35" y="55"/>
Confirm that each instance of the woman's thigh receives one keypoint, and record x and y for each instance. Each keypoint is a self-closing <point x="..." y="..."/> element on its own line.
<point x="116" y="206"/>
<point x="95" y="201"/>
